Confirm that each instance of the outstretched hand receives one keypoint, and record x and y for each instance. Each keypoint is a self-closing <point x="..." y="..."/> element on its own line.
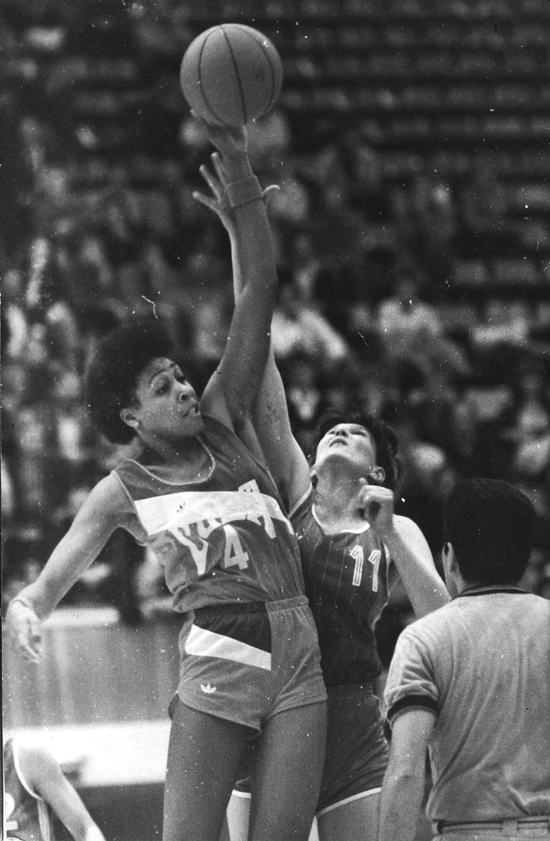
<point x="217" y="201"/>
<point x="229" y="140"/>
<point x="24" y="629"/>
<point x="377" y="505"/>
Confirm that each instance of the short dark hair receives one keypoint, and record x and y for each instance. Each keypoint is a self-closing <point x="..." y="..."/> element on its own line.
<point x="112" y="375"/>
<point x="385" y="440"/>
<point x="490" y="524"/>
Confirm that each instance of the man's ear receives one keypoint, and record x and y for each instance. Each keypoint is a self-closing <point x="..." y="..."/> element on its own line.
<point x="448" y="558"/>
<point x="129" y="418"/>
<point x="377" y="475"/>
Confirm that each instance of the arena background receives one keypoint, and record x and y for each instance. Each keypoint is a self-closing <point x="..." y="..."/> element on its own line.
<point x="411" y="143"/>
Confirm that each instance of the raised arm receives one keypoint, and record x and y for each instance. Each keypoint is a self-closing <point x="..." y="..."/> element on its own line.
<point x="91" y="528"/>
<point x="271" y="420"/>
<point x="231" y="393"/>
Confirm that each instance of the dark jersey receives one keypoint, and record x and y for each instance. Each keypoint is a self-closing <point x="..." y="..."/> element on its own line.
<point x="27" y="816"/>
<point x="224" y="539"/>
<point x="346" y="580"/>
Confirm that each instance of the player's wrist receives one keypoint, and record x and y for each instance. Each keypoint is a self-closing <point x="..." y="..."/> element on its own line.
<point x="237" y="166"/>
<point x="24" y="601"/>
<point x="243" y="191"/>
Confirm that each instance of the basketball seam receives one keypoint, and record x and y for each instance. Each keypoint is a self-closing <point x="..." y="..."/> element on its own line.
<point x="237" y="73"/>
<point x="271" y="70"/>
<point x="202" y="87"/>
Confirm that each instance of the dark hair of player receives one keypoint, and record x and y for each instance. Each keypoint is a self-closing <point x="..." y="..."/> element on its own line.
<point x="112" y="375"/>
<point x="490" y="525"/>
<point x="385" y="440"/>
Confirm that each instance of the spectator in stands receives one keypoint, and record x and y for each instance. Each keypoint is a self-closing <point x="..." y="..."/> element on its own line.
<point x="368" y="190"/>
<point x="304" y="396"/>
<point x="15" y="322"/>
<point x="73" y="436"/>
<point x="444" y="417"/>
<point x="412" y="332"/>
<point x="525" y="424"/>
<point x="338" y="235"/>
<point x="289" y="207"/>
<point x="485" y="227"/>
<point x="300" y="327"/>
<point x="428" y="478"/>
<point x="118" y="230"/>
<point x="305" y="267"/>
<point x="434" y="227"/>
<point x="269" y="140"/>
<point x="500" y="338"/>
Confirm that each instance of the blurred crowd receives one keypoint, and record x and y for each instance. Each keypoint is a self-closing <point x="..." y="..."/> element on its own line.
<point x="379" y="309"/>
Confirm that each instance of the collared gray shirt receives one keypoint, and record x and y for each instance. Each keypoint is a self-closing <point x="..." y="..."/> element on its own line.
<point x="481" y="665"/>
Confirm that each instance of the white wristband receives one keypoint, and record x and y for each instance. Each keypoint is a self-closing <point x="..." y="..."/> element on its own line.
<point x="244" y="191"/>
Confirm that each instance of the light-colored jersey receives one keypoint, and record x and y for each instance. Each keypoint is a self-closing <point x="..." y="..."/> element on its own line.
<point x="481" y="664"/>
<point x="347" y="583"/>
<point x="27" y="817"/>
<point x="223" y="539"/>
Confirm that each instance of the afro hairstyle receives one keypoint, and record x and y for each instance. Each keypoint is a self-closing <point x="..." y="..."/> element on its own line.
<point x="114" y="370"/>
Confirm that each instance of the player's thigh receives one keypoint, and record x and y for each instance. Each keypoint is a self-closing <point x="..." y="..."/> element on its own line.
<point x="203" y="758"/>
<point x="353" y="821"/>
<point x="235" y="827"/>
<point x="286" y="776"/>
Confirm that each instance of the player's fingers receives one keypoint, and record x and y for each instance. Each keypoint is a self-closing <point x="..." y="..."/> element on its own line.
<point x="28" y="643"/>
<point x="218" y="166"/>
<point x="30" y="652"/>
<point x="30" y="655"/>
<point x="212" y="204"/>
<point x="36" y="636"/>
<point x="210" y="179"/>
<point x="269" y="192"/>
<point x="373" y="508"/>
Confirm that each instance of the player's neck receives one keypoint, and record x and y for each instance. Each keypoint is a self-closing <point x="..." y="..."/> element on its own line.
<point x="335" y="505"/>
<point x="190" y="457"/>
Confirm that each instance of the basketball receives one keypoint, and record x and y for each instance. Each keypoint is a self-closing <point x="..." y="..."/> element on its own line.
<point x="231" y="74"/>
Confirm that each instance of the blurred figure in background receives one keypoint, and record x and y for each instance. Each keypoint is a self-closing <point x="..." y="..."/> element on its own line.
<point x="35" y="791"/>
<point x="412" y="332"/>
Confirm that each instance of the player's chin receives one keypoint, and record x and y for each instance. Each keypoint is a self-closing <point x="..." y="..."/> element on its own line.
<point x="194" y="423"/>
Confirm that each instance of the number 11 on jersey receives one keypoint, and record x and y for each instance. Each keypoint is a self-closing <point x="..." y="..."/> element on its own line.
<point x="374" y="558"/>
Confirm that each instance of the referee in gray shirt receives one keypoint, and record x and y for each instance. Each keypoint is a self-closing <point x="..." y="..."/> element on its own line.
<point x="470" y="683"/>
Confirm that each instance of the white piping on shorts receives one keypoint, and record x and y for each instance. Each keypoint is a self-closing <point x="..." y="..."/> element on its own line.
<point x="359" y="796"/>
<point x="349" y="800"/>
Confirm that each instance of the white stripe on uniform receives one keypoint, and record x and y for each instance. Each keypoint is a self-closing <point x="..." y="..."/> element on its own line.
<point x="204" y="643"/>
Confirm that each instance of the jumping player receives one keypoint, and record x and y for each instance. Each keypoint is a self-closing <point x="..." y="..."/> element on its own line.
<point x="353" y="550"/>
<point x="202" y="498"/>
<point x="35" y="789"/>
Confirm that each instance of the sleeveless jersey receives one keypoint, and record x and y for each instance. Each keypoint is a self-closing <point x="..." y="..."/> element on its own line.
<point x="223" y="539"/>
<point x="27" y="816"/>
<point x="346" y="581"/>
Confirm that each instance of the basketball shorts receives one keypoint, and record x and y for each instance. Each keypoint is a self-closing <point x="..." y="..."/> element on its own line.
<point x="248" y="662"/>
<point x="357" y="750"/>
